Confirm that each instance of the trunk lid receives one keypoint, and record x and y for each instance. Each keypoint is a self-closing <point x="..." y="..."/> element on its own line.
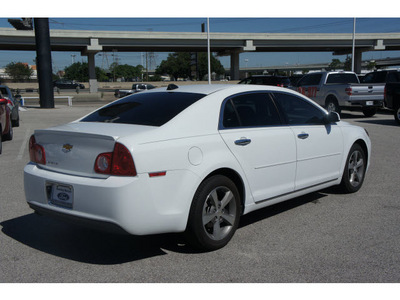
<point x="74" y="147"/>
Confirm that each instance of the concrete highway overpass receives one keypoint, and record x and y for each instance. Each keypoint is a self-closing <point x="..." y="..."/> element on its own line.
<point x="91" y="42"/>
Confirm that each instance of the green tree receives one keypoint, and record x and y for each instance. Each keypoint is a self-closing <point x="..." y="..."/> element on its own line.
<point x="216" y="65"/>
<point x="371" y="65"/>
<point x="178" y="65"/>
<point x="77" y="71"/>
<point x="125" y="71"/>
<point x="18" y="71"/>
<point x="347" y="64"/>
<point x="80" y="72"/>
<point x="335" y="64"/>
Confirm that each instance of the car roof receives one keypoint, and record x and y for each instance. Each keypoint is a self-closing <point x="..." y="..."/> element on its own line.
<point x="208" y="89"/>
<point x="205" y="89"/>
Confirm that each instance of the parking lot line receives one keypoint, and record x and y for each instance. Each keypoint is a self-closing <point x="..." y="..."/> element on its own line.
<point x="24" y="143"/>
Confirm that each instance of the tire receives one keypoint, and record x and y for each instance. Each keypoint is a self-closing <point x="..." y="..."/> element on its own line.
<point x="331" y="104"/>
<point x="9" y="135"/>
<point x="369" y="111"/>
<point x="16" y="122"/>
<point x="397" y="114"/>
<point x="1" y="142"/>
<point x="354" y="170"/>
<point x="212" y="223"/>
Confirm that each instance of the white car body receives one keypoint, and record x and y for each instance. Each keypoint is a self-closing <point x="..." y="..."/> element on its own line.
<point x="174" y="159"/>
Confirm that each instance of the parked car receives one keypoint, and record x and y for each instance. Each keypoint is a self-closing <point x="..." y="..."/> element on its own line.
<point x="68" y="84"/>
<point x="341" y="90"/>
<point x="192" y="159"/>
<point x="281" y="81"/>
<point x="136" y="87"/>
<point x="6" y="131"/>
<point x="392" y="99"/>
<point x="383" y="77"/>
<point x="13" y="104"/>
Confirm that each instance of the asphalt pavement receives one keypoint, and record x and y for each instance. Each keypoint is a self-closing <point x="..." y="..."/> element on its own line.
<point x="323" y="237"/>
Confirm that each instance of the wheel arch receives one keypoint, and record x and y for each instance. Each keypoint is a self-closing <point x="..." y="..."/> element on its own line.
<point x="331" y="96"/>
<point x="237" y="180"/>
<point x="363" y="145"/>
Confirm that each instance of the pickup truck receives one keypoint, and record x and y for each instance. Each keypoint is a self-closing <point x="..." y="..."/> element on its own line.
<point x="392" y="99"/>
<point x="136" y="87"/>
<point x="341" y="90"/>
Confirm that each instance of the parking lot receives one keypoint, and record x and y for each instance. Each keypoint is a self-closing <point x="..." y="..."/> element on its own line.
<point x="321" y="237"/>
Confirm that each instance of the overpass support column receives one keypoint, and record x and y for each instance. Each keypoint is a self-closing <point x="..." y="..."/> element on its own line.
<point x="91" y="51"/>
<point x="93" y="86"/>
<point x="235" y="74"/>
<point x="357" y="61"/>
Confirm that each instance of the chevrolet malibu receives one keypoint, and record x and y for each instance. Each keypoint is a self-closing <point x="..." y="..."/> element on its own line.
<point x="192" y="159"/>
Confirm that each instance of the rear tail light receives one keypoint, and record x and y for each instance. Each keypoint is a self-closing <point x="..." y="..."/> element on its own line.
<point x="36" y="152"/>
<point x="119" y="162"/>
<point x="349" y="91"/>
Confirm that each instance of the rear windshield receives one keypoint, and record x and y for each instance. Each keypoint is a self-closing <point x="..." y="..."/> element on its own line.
<point x="342" y="78"/>
<point x="151" y="109"/>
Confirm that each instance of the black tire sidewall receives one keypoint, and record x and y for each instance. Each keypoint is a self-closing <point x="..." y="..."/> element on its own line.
<point x="345" y="184"/>
<point x="195" y="232"/>
<point x="396" y="114"/>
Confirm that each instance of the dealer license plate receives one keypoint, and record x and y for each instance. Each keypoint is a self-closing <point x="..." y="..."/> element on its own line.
<point x="62" y="195"/>
<point x="369" y="103"/>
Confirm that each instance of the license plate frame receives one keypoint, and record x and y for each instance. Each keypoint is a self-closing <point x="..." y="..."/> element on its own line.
<point x="61" y="195"/>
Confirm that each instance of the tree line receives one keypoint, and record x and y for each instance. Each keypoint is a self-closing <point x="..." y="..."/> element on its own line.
<point x="177" y="65"/>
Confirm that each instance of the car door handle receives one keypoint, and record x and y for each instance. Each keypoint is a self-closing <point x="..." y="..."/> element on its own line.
<point x="303" y="136"/>
<point x="242" y="142"/>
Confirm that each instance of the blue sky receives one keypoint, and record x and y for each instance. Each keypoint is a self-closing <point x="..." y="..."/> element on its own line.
<point x="226" y="24"/>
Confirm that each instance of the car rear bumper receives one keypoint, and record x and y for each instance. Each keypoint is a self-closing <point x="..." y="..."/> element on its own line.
<point x="365" y="103"/>
<point x="139" y="205"/>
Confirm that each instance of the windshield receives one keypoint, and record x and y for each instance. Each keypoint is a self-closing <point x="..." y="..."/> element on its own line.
<point x="151" y="109"/>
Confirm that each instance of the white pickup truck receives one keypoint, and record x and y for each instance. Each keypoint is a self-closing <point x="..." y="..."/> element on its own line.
<point x="341" y="90"/>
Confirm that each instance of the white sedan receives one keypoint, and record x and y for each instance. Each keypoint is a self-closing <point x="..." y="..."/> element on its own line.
<point x="192" y="159"/>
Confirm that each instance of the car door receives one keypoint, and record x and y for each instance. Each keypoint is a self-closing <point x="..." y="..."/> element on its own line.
<point x="266" y="150"/>
<point x="319" y="145"/>
<point x="309" y="86"/>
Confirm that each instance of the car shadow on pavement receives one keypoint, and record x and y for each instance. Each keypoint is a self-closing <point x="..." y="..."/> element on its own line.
<point x="281" y="207"/>
<point x="82" y="244"/>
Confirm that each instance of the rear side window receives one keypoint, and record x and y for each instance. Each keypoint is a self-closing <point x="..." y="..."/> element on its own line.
<point x="151" y="109"/>
<point x="250" y="110"/>
<point x="342" y="78"/>
<point x="393" y="77"/>
<point x="312" y="79"/>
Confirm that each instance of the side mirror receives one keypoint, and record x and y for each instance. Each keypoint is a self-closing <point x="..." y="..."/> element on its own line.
<point x="332" y="117"/>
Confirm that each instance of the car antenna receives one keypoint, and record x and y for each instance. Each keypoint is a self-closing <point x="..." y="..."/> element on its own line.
<point x="172" y="86"/>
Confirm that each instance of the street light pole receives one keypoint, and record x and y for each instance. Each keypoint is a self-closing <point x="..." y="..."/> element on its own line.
<point x="354" y="45"/>
<point x="208" y="50"/>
